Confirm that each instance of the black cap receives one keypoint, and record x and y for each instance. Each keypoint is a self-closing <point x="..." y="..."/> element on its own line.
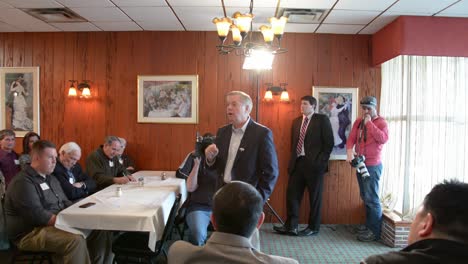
<point x="369" y="101"/>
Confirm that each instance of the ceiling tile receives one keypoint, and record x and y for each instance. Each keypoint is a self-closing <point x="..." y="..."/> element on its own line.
<point x="5" y="5"/>
<point x="339" y="29"/>
<point x="160" y="26"/>
<point x="17" y="17"/>
<point x="151" y="14"/>
<point x="33" y="3"/>
<point x="81" y="26"/>
<point x="101" y="13"/>
<point x="350" y="17"/>
<point x="318" y="4"/>
<point x="261" y="14"/>
<point x="4" y="27"/>
<point x="39" y="27"/>
<point x="421" y="6"/>
<point x="302" y="28"/>
<point x="198" y="18"/>
<point x="123" y="3"/>
<point x="458" y="9"/>
<point x="86" y="3"/>
<point x="370" y="5"/>
<point x="378" y="24"/>
<point x="118" y="26"/>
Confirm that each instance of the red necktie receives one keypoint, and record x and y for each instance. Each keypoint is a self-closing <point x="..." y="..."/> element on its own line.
<point x="300" y="143"/>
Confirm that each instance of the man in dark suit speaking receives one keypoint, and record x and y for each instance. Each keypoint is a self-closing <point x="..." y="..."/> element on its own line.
<point x="311" y="144"/>
<point x="244" y="149"/>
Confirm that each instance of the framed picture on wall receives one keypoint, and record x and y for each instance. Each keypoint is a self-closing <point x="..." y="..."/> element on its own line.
<point x="168" y="99"/>
<point x="19" y="93"/>
<point x="339" y="104"/>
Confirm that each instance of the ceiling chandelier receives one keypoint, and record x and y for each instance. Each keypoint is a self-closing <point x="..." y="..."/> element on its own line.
<point x="242" y="40"/>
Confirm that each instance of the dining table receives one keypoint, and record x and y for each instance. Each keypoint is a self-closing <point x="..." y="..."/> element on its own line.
<point x="142" y="205"/>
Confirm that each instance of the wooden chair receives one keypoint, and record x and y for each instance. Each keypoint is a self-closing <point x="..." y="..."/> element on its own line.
<point x="132" y="247"/>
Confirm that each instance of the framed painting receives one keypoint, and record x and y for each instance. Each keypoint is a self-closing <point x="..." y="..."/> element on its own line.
<point x="168" y="99"/>
<point x="340" y="105"/>
<point x="19" y="92"/>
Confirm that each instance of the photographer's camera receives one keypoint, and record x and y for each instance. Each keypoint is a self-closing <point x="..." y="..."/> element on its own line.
<point x="202" y="142"/>
<point x="358" y="163"/>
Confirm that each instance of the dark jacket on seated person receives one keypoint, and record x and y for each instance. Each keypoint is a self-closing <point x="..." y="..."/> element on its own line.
<point x="102" y="169"/>
<point x="30" y="202"/>
<point x="427" y="251"/>
<point x="78" y="175"/>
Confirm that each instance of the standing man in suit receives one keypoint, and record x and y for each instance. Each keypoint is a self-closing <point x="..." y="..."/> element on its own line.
<point x="244" y="149"/>
<point x="311" y="144"/>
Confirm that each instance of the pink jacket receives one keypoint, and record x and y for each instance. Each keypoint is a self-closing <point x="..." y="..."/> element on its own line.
<point x="377" y="135"/>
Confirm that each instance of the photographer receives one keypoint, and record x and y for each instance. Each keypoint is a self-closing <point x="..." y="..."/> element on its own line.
<point x="201" y="184"/>
<point x="367" y="136"/>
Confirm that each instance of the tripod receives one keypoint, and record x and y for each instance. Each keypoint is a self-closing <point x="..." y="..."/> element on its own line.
<point x="272" y="211"/>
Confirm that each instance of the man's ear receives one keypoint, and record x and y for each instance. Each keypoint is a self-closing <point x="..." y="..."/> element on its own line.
<point x="260" y="220"/>
<point x="426" y="225"/>
<point x="213" y="222"/>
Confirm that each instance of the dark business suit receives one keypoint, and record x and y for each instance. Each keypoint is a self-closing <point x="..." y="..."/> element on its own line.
<point x="308" y="170"/>
<point x="255" y="162"/>
<point x="73" y="193"/>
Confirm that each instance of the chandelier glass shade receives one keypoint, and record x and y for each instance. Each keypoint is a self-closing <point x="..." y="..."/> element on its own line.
<point x="240" y="25"/>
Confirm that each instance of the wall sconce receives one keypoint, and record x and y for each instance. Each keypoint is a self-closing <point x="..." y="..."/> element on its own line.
<point x="276" y="90"/>
<point x="83" y="87"/>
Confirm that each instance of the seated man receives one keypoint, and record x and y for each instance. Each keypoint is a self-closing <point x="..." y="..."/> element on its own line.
<point x="439" y="232"/>
<point x="33" y="200"/>
<point x="9" y="164"/>
<point x="75" y="183"/>
<point x="103" y="165"/>
<point x="124" y="159"/>
<point x="237" y="211"/>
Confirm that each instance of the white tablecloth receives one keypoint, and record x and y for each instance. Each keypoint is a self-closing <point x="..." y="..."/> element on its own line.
<point x="140" y="208"/>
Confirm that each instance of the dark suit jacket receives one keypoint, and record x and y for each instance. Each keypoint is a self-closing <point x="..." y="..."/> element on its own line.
<point x="73" y="193"/>
<point x="256" y="161"/>
<point x="318" y="143"/>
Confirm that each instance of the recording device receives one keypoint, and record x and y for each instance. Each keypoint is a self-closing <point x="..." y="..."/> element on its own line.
<point x="202" y="142"/>
<point x="358" y="163"/>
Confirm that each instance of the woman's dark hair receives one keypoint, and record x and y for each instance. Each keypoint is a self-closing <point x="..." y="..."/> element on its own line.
<point x="26" y="138"/>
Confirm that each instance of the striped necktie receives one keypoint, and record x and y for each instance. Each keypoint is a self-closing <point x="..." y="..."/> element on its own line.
<point x="300" y="143"/>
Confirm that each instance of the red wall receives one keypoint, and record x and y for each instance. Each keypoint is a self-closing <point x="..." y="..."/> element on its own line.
<point x="426" y="36"/>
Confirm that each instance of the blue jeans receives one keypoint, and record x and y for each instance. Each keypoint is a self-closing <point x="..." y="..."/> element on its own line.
<point x="197" y="222"/>
<point x="369" y="190"/>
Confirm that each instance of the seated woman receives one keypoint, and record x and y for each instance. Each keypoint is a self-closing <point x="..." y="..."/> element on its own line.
<point x="124" y="159"/>
<point x="75" y="183"/>
<point x="28" y="141"/>
<point x="201" y="185"/>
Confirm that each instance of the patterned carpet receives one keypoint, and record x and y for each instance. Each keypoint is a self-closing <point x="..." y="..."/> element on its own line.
<point x="334" y="244"/>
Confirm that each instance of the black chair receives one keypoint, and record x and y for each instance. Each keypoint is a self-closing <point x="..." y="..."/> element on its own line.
<point x="132" y="247"/>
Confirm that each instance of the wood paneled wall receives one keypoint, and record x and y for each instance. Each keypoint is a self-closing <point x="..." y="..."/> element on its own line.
<point x="112" y="61"/>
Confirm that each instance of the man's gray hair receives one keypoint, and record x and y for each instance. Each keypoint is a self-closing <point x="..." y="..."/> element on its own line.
<point x="109" y="139"/>
<point x="123" y="142"/>
<point x="70" y="147"/>
<point x="245" y="98"/>
<point x="6" y="132"/>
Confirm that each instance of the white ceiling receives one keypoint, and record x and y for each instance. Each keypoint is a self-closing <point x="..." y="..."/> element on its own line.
<point x="345" y="17"/>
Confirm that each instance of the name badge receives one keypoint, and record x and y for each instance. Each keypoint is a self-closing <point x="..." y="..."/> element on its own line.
<point x="111" y="163"/>
<point x="44" y="186"/>
<point x="16" y="162"/>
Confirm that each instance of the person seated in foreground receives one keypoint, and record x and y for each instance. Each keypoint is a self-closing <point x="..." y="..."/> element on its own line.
<point x="33" y="200"/>
<point x="75" y="183"/>
<point x="201" y="185"/>
<point x="103" y="165"/>
<point x="237" y="211"/>
<point x="124" y="159"/>
<point x="439" y="232"/>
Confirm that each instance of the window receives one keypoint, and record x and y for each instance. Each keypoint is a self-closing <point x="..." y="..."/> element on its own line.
<point x="424" y="102"/>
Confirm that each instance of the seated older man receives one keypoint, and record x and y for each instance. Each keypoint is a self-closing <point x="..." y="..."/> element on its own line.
<point x="33" y="200"/>
<point x="103" y="164"/>
<point x="75" y="183"/>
